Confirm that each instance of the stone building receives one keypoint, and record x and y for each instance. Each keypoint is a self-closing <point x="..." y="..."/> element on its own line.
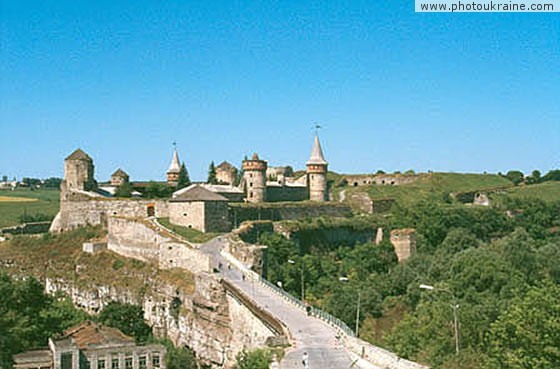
<point x="119" y="177"/>
<point x="78" y="173"/>
<point x="271" y="184"/>
<point x="201" y="209"/>
<point x="91" y="345"/>
<point x="254" y="175"/>
<point x="226" y="173"/>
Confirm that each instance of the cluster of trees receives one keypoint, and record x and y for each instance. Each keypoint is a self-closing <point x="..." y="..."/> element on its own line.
<point x="501" y="265"/>
<point x="518" y="177"/>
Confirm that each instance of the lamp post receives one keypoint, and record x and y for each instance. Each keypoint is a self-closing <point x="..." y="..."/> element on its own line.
<point x="454" y="306"/>
<point x="302" y="279"/>
<point x="346" y="279"/>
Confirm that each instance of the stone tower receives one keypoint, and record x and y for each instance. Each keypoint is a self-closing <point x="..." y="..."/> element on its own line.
<point x="78" y="173"/>
<point x="317" y="173"/>
<point x="174" y="169"/>
<point x="254" y="175"/>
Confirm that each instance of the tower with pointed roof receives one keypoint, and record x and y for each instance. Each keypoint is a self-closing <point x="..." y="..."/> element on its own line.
<point x="174" y="169"/>
<point x="317" y="168"/>
<point x="254" y="176"/>
<point x="78" y="172"/>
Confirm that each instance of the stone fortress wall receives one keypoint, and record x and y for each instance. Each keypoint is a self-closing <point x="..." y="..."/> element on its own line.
<point x="380" y="179"/>
<point x="85" y="210"/>
<point x="140" y="240"/>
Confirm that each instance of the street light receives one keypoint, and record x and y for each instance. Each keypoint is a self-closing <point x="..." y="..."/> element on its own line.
<point x="346" y="279"/>
<point x="454" y="306"/>
<point x="290" y="261"/>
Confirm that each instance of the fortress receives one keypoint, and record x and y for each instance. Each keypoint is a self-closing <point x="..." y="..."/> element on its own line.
<point x="201" y="206"/>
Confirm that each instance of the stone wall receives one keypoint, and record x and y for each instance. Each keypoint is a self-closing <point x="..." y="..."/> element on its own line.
<point x="380" y="179"/>
<point x="96" y="211"/>
<point x="286" y="211"/>
<point x="286" y="193"/>
<point x="138" y="240"/>
<point x="187" y="214"/>
<point x="404" y="242"/>
<point x="216" y="217"/>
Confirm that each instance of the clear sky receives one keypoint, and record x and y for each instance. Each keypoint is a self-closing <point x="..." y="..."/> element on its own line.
<point x="393" y="89"/>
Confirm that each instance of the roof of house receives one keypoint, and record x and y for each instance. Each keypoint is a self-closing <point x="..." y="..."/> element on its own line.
<point x="317" y="153"/>
<point x="119" y="173"/>
<point x="79" y="154"/>
<point x="89" y="333"/>
<point x="196" y="192"/>
<point x="33" y="356"/>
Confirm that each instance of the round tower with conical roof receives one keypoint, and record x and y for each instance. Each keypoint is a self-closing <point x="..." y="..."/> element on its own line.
<point x="254" y="176"/>
<point x="174" y="169"/>
<point x="317" y="168"/>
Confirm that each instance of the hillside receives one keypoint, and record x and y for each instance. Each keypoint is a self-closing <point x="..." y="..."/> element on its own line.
<point x="440" y="184"/>
<point x="547" y="191"/>
<point x="61" y="256"/>
<point x="14" y="204"/>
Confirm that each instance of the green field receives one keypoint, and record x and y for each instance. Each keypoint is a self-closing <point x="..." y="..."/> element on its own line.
<point x="46" y="202"/>
<point x="547" y="191"/>
<point x="434" y="183"/>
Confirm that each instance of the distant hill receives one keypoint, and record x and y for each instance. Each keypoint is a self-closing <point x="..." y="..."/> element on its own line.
<point x="44" y="208"/>
<point x="432" y="184"/>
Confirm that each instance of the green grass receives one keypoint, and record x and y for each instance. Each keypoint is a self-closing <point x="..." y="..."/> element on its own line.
<point x="435" y="183"/>
<point x="47" y="203"/>
<point x="190" y="234"/>
<point x="547" y="191"/>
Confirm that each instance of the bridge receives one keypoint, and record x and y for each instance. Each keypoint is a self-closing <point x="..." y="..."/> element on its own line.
<point x="328" y="342"/>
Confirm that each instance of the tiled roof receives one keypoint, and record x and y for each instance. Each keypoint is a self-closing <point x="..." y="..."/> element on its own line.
<point x="89" y="333"/>
<point x="119" y="173"/>
<point x="79" y="154"/>
<point x="197" y="193"/>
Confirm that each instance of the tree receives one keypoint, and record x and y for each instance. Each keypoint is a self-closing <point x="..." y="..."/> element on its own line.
<point x="184" y="179"/>
<point x="553" y="175"/>
<point x="124" y="190"/>
<point x="178" y="357"/>
<point x="535" y="177"/>
<point x="212" y="174"/>
<point x="128" y="318"/>
<point x="515" y="176"/>
<point x="526" y="336"/>
<point x="256" y="359"/>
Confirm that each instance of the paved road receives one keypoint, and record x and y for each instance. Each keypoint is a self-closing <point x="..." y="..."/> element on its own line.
<point x="311" y="335"/>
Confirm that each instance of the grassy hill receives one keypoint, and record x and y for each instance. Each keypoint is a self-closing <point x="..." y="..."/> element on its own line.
<point x="14" y="204"/>
<point x="433" y="183"/>
<point x="547" y="191"/>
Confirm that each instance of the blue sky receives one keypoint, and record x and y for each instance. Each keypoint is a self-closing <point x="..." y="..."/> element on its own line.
<point x="393" y="89"/>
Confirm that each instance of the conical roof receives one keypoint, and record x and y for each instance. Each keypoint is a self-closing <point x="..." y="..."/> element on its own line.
<point x="175" y="166"/>
<point x="78" y="154"/>
<point x="317" y="153"/>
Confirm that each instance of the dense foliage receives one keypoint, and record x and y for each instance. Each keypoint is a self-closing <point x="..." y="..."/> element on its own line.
<point x="128" y="318"/>
<point x="28" y="317"/>
<point x="499" y="264"/>
<point x="256" y="359"/>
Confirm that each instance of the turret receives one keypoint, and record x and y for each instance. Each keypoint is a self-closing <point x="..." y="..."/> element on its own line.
<point x="78" y="172"/>
<point x="317" y="173"/>
<point x="174" y="169"/>
<point x="254" y="175"/>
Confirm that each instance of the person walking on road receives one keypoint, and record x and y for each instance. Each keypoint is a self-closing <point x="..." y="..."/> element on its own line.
<point x="305" y="360"/>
